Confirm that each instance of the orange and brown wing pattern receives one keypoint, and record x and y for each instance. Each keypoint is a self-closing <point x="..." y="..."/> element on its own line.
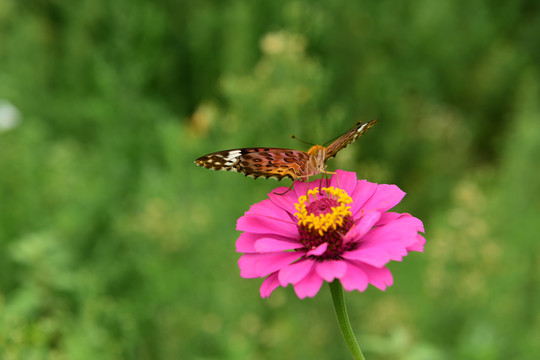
<point x="258" y="162"/>
<point x="348" y="138"/>
<point x="280" y="163"/>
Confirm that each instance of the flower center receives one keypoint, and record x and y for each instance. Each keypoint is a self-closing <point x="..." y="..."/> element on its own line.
<point x="324" y="217"/>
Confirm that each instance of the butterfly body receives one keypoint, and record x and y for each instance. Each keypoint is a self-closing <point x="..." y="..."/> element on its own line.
<point x="280" y="163"/>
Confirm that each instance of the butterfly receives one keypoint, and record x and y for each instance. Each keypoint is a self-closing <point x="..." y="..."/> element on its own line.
<point x="280" y="163"/>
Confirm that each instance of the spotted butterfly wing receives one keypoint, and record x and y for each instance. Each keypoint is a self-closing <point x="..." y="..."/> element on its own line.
<point x="257" y="162"/>
<point x="280" y="163"/>
<point x="349" y="137"/>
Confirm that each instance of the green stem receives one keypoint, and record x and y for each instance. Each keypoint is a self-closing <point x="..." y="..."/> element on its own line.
<point x="343" y="319"/>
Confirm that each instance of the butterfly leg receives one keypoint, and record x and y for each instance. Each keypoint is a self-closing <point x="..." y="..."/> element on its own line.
<point x="326" y="180"/>
<point x="286" y="191"/>
<point x="325" y="175"/>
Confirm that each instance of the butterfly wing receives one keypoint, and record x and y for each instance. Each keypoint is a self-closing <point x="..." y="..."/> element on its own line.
<point x="258" y="162"/>
<point x="347" y="138"/>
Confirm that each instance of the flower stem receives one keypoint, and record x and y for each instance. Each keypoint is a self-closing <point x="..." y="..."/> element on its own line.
<point x="343" y="319"/>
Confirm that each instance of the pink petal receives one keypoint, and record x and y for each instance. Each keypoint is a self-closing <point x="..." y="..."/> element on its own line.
<point x="331" y="269"/>
<point x="345" y="180"/>
<point x="285" y="201"/>
<point x="258" y="265"/>
<point x="280" y="190"/>
<point x="384" y="198"/>
<point x="267" y="244"/>
<point x="294" y="273"/>
<point x="246" y="242"/>
<point x="261" y="207"/>
<point x="411" y="221"/>
<point x="372" y="256"/>
<point x="266" y="225"/>
<point x="363" y="191"/>
<point x="318" y="251"/>
<point x="301" y="188"/>
<point x="269" y="285"/>
<point x="309" y="286"/>
<point x="394" y="250"/>
<point x="419" y="245"/>
<point x="401" y="232"/>
<point x="267" y="208"/>
<point x="388" y="217"/>
<point x="362" y="226"/>
<point x="396" y="253"/>
<point x="381" y="278"/>
<point x="354" y="278"/>
<point x="379" y="255"/>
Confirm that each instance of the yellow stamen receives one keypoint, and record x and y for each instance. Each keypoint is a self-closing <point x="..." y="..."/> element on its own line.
<point x="322" y="222"/>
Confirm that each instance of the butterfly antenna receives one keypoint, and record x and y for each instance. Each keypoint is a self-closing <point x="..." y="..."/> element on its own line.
<point x="302" y="141"/>
<point x="331" y="141"/>
<point x="335" y="138"/>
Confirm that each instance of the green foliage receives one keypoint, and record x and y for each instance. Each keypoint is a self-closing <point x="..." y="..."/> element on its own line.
<point x="114" y="245"/>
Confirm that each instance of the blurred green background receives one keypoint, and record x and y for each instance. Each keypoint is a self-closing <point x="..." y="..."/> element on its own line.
<point x="114" y="245"/>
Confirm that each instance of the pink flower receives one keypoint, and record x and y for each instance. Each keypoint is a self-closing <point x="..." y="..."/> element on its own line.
<point x="343" y="231"/>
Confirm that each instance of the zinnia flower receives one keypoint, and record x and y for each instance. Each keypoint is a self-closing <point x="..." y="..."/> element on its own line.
<point x="342" y="231"/>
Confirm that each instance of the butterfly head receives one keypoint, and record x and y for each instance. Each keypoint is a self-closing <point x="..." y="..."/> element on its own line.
<point x="317" y="150"/>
